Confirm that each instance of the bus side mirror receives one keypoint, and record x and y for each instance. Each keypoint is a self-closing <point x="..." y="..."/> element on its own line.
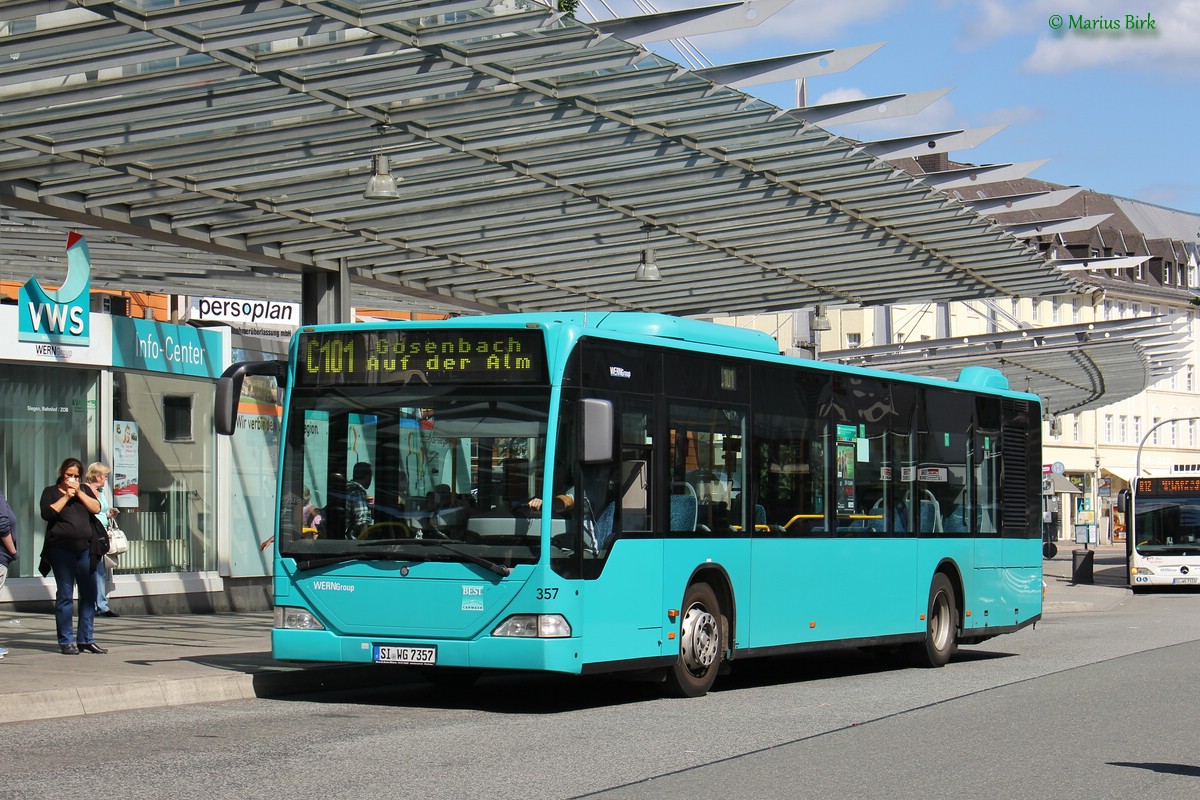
<point x="229" y="390"/>
<point x="596" y="424"/>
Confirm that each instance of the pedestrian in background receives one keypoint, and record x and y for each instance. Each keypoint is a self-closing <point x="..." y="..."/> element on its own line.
<point x="358" y="503"/>
<point x="70" y="550"/>
<point x="8" y="545"/>
<point x="96" y="478"/>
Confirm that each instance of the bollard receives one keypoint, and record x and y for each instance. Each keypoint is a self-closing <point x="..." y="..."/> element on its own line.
<point x="1082" y="566"/>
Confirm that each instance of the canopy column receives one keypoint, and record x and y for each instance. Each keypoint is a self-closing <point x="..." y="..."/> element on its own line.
<point x="325" y="296"/>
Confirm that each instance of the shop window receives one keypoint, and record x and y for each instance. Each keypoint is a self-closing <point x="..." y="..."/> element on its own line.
<point x="177" y="418"/>
<point x="49" y="413"/>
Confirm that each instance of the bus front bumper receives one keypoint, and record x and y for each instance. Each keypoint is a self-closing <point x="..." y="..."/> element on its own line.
<point x="489" y="652"/>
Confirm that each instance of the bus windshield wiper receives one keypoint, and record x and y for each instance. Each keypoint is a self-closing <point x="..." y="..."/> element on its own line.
<point x="479" y="561"/>
<point x="338" y="558"/>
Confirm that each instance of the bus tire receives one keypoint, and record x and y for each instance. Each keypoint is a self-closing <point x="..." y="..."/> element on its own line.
<point x="700" y="644"/>
<point x="941" y="626"/>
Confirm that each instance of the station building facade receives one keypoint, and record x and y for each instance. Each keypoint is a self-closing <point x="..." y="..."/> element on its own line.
<point x="137" y="394"/>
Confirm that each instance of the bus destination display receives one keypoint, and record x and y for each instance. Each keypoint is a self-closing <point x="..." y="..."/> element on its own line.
<point x="421" y="356"/>
<point x="1169" y="486"/>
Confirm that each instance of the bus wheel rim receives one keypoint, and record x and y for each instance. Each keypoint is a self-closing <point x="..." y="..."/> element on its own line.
<point x="699" y="640"/>
<point x="939" y="622"/>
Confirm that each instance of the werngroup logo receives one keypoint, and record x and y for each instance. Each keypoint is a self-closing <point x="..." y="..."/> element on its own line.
<point x="62" y="315"/>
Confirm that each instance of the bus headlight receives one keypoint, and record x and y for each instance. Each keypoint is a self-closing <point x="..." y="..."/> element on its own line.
<point x="1140" y="571"/>
<point x="297" y="619"/>
<point x="539" y="626"/>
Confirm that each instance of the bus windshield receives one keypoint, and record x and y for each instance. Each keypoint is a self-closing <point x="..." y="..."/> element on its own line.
<point x="1168" y="525"/>
<point x="413" y="473"/>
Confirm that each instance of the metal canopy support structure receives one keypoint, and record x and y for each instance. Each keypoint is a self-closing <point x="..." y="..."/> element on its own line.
<point x="787" y="68"/>
<point x="1102" y="262"/>
<point x="236" y="140"/>
<point x="929" y="143"/>
<point x="1052" y="227"/>
<point x="325" y="297"/>
<point x="1005" y="204"/>
<point x="691" y="21"/>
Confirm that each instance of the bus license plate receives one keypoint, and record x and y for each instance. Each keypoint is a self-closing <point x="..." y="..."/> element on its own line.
<point x="388" y="654"/>
<point x="1184" y="580"/>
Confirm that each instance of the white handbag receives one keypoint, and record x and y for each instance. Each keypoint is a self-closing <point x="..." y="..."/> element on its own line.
<point x="117" y="541"/>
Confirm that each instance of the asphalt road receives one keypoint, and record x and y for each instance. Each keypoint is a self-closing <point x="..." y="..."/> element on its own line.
<point x="1087" y="705"/>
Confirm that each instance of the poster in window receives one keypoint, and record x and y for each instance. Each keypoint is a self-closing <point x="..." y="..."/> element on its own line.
<point x="125" y="464"/>
<point x="845" y="478"/>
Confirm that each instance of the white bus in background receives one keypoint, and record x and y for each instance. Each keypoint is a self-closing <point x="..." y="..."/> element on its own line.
<point x="1163" y="544"/>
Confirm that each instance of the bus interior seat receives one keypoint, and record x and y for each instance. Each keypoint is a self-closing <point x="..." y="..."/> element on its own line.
<point x="604" y="527"/>
<point x="956" y="520"/>
<point x="899" y="518"/>
<point x="684" y="507"/>
<point x="931" y="513"/>
<point x="878" y="524"/>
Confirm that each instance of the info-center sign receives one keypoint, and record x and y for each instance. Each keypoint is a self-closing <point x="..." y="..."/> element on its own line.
<point x="420" y="356"/>
<point x="162" y="347"/>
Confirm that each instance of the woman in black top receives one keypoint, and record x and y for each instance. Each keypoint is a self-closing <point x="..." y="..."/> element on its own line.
<point x="67" y="507"/>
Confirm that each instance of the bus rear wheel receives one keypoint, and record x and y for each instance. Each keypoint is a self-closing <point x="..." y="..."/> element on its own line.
<point x="700" y="644"/>
<point x="941" y="626"/>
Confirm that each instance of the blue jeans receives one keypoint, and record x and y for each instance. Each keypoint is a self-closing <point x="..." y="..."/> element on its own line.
<point x="101" y="586"/>
<point x="73" y="569"/>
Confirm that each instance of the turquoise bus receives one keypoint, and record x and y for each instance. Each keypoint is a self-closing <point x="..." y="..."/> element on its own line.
<point x="629" y="492"/>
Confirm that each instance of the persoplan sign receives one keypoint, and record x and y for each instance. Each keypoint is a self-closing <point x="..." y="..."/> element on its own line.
<point x="62" y="315"/>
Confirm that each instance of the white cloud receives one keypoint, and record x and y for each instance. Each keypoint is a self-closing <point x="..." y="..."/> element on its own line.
<point x="986" y="21"/>
<point x="840" y="95"/>
<point x="1169" y="48"/>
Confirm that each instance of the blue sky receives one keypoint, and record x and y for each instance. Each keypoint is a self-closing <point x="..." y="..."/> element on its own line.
<point x="1115" y="111"/>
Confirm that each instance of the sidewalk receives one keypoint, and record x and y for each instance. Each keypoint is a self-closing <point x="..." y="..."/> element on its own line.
<point x="157" y="661"/>
<point x="1110" y="587"/>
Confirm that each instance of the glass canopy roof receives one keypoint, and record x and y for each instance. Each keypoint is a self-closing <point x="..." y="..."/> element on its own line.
<point x="222" y="146"/>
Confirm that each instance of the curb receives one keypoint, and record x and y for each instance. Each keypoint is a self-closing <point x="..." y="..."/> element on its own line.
<point x="87" y="700"/>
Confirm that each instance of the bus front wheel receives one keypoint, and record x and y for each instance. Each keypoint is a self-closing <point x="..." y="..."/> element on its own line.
<point x="941" y="626"/>
<point x="700" y="643"/>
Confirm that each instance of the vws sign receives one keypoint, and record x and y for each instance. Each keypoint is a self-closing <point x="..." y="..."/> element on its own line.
<point x="62" y="315"/>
